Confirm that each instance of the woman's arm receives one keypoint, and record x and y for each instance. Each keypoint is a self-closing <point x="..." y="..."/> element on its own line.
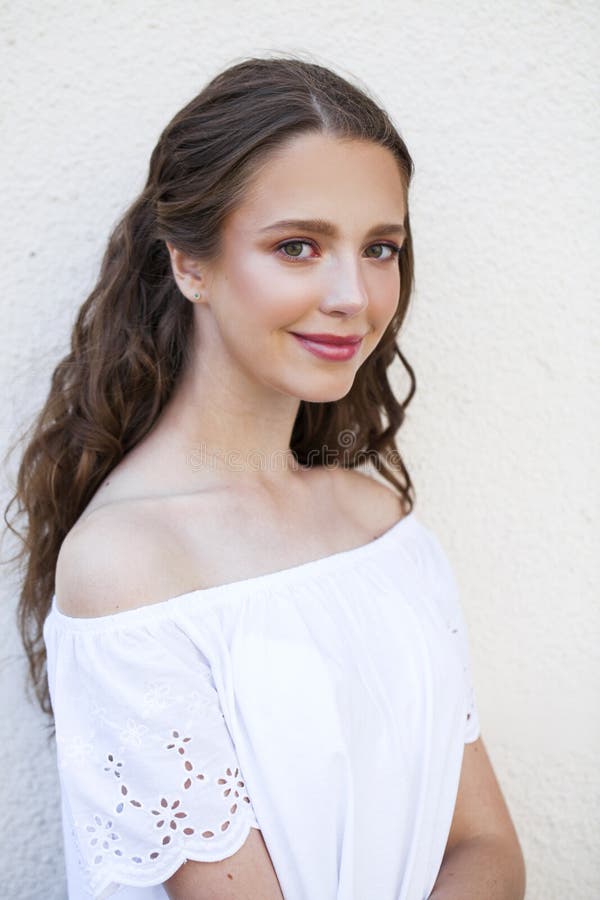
<point x="483" y="857"/>
<point x="248" y="873"/>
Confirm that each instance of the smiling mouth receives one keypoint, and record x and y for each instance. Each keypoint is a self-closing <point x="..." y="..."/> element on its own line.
<point x="335" y="352"/>
<point x="330" y="339"/>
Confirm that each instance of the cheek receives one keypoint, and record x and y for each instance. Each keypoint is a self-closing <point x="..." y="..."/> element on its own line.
<point x="393" y="301"/>
<point x="385" y="297"/>
<point x="270" y="296"/>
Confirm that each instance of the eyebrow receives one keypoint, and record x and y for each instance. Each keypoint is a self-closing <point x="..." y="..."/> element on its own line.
<point x="328" y="228"/>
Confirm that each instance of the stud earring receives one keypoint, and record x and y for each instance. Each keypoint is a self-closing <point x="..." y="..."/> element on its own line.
<point x="196" y="296"/>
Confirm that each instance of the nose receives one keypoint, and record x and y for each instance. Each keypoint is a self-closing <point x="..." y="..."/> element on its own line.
<point x="345" y="290"/>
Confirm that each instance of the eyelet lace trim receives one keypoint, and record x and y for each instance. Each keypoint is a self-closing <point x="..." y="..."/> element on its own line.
<point x="169" y="823"/>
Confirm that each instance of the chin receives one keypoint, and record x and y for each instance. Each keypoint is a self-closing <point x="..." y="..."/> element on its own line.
<point x="326" y="395"/>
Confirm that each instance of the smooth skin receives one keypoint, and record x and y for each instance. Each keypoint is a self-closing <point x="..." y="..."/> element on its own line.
<point x="247" y="875"/>
<point x="215" y="453"/>
<point x="483" y="859"/>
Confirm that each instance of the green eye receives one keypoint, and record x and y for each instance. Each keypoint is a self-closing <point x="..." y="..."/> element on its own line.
<point x="296" y="246"/>
<point x="393" y="247"/>
<point x="293" y="244"/>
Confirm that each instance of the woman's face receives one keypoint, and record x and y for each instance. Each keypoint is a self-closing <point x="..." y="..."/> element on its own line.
<point x="273" y="281"/>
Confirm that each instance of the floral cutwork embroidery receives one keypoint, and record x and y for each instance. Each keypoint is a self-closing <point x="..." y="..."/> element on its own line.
<point x="169" y="816"/>
<point x="180" y="748"/>
<point x="167" y="812"/>
<point x="228" y="790"/>
<point x="188" y="766"/>
<point x="101" y="834"/>
<point x="124" y="792"/>
<point x="113" y="766"/>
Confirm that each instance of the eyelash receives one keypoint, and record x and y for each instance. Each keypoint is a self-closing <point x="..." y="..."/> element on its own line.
<point x="394" y="247"/>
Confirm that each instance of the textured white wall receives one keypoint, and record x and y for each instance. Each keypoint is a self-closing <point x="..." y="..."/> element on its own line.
<point x="498" y="104"/>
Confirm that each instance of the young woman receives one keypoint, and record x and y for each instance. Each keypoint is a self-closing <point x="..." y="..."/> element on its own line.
<point x="257" y="665"/>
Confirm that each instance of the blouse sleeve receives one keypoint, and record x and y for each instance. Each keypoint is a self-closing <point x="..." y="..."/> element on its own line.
<point x="448" y="599"/>
<point x="148" y="771"/>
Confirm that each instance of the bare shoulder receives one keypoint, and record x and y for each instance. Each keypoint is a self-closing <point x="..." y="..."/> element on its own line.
<point x="110" y="561"/>
<point x="376" y="504"/>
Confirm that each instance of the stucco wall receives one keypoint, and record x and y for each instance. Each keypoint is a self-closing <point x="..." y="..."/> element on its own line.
<point x="498" y="104"/>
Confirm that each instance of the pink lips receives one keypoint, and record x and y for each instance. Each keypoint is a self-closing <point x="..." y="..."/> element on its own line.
<point x="330" y="346"/>
<point x="331" y="338"/>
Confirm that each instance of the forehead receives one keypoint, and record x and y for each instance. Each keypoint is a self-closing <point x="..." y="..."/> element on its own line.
<point x="320" y="176"/>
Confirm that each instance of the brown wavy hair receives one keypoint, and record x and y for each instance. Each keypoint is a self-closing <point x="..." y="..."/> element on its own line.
<point x="132" y="335"/>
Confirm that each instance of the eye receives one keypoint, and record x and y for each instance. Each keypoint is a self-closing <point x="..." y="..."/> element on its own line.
<point x="393" y="248"/>
<point x="293" y="256"/>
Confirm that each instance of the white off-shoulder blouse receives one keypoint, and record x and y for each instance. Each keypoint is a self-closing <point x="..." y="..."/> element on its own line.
<point x="326" y="704"/>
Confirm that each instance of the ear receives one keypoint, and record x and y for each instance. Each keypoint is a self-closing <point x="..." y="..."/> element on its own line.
<point x="188" y="274"/>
